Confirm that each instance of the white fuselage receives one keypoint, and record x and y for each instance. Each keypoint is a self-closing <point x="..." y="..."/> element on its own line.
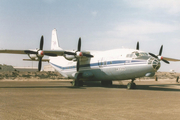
<point x="117" y="64"/>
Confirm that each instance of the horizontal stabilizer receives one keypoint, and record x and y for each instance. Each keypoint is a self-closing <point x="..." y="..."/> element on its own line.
<point x="43" y="60"/>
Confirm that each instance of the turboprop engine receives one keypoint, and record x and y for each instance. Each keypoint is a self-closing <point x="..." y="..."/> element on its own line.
<point x="33" y="56"/>
<point x="69" y="57"/>
<point x="39" y="53"/>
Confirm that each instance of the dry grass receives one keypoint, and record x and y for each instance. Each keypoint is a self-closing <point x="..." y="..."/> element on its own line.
<point x="29" y="75"/>
<point x="16" y="75"/>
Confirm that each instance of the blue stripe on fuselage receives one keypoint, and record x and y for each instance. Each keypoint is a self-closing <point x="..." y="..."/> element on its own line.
<point x="107" y="63"/>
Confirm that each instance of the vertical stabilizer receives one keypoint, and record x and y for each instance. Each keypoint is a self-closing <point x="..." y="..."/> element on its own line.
<point x="54" y="41"/>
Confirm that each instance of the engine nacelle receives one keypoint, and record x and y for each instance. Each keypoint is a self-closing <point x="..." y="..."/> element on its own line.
<point x="33" y="56"/>
<point x="69" y="57"/>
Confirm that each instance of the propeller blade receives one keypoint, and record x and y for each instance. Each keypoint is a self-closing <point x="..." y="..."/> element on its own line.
<point x="40" y="64"/>
<point x="153" y="55"/>
<point x="77" y="66"/>
<point x="160" y="51"/>
<point x="41" y="43"/>
<point x="79" y="45"/>
<point x="137" y="47"/>
<point x="69" y="53"/>
<point x="165" y="61"/>
<point x="171" y="59"/>
<point x="50" y="54"/>
<point x="87" y="55"/>
<point x="30" y="52"/>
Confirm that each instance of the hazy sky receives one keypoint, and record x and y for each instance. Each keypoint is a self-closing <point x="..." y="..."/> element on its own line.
<point x="102" y="25"/>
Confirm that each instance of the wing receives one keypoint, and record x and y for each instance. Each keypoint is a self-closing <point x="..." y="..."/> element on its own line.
<point x="48" y="52"/>
<point x="13" y="51"/>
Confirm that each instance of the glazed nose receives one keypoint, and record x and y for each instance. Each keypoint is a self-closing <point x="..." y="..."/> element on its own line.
<point x="156" y="64"/>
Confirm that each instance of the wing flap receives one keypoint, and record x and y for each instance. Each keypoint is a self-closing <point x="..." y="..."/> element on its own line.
<point x="43" y="60"/>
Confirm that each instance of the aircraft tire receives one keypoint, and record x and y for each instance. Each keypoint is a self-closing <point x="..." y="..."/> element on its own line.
<point x="131" y="85"/>
<point x="77" y="83"/>
<point x="74" y="83"/>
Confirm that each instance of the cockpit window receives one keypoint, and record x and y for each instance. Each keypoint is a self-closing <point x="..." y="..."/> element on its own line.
<point x="136" y="54"/>
<point x="130" y="55"/>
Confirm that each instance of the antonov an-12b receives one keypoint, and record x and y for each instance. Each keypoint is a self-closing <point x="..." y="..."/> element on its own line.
<point x="104" y="66"/>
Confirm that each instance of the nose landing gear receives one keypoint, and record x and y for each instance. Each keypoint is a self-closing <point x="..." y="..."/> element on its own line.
<point x="131" y="85"/>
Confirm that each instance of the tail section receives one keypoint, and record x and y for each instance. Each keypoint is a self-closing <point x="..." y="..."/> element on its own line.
<point x="54" y="41"/>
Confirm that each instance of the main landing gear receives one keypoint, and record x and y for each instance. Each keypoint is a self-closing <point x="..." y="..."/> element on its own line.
<point x="76" y="83"/>
<point x="131" y="85"/>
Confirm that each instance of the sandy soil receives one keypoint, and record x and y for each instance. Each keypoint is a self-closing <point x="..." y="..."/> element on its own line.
<point x="58" y="100"/>
<point x="48" y="96"/>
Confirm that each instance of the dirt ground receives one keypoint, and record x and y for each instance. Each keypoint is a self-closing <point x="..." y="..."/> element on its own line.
<point x="58" y="100"/>
<point x="48" y="96"/>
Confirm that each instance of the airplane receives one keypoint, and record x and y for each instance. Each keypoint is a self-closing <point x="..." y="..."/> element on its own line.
<point x="104" y="66"/>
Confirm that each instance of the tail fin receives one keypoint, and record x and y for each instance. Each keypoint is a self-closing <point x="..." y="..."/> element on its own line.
<point x="54" y="41"/>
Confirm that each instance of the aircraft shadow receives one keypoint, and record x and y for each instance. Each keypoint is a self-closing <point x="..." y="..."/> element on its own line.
<point x="162" y="87"/>
<point x="154" y="87"/>
<point x="72" y="87"/>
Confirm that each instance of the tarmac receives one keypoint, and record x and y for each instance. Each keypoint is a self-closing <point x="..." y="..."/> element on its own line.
<point x="58" y="100"/>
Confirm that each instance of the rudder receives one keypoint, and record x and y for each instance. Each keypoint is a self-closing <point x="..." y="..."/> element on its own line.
<point x="54" y="41"/>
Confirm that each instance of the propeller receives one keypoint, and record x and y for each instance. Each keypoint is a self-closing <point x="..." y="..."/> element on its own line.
<point x="78" y="50"/>
<point x="137" y="46"/>
<point x="159" y="57"/>
<point x="40" y="53"/>
<point x="79" y="45"/>
<point x="78" y="54"/>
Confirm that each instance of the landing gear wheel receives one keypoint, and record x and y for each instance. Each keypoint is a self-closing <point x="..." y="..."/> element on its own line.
<point x="77" y="83"/>
<point x="131" y="85"/>
<point x="74" y="83"/>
